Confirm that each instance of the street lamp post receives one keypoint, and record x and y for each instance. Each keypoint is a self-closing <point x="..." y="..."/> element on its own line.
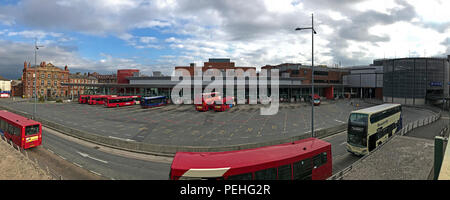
<point x="36" y="47"/>
<point x="313" y="31"/>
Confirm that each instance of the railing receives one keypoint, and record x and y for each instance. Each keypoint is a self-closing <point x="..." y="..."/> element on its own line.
<point x="409" y="127"/>
<point x="49" y="171"/>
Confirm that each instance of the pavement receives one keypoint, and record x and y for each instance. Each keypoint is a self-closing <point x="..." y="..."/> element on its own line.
<point x="402" y="158"/>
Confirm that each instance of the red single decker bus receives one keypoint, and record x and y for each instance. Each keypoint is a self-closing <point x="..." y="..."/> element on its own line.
<point x="227" y="103"/>
<point x="98" y="99"/>
<point x="83" y="99"/>
<point x="120" y="101"/>
<point x="308" y="159"/>
<point x="23" y="132"/>
<point x="208" y="100"/>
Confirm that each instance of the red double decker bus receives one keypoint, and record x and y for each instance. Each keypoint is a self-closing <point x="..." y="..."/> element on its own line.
<point x="227" y="103"/>
<point x="121" y="101"/>
<point x="207" y="100"/>
<point x="23" y="132"/>
<point x="308" y="159"/>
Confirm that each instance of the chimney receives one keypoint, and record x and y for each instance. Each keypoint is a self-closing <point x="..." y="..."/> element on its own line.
<point x="65" y="68"/>
<point x="43" y="63"/>
<point x="29" y="64"/>
<point x="25" y="65"/>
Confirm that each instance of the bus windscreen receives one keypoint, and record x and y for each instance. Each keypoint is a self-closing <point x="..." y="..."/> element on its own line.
<point x="357" y="136"/>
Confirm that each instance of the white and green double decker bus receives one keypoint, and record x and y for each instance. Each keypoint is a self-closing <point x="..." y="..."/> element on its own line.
<point x="371" y="127"/>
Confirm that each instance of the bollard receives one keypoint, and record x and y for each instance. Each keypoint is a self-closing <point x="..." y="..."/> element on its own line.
<point x="438" y="154"/>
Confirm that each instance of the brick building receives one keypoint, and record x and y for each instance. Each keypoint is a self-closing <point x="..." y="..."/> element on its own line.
<point x="48" y="80"/>
<point x="83" y="79"/>
<point x="221" y="64"/>
<point x="327" y="81"/>
<point x="104" y="78"/>
<point x="16" y="88"/>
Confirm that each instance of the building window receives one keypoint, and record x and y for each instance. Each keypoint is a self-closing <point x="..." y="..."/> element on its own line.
<point x="56" y="83"/>
<point x="56" y="76"/>
<point x="49" y="76"/>
<point x="320" y="73"/>
<point x="42" y="75"/>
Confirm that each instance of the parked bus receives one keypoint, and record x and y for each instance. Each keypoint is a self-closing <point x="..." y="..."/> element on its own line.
<point x="316" y="99"/>
<point x="22" y="131"/>
<point x="207" y="100"/>
<point x="5" y="94"/>
<point x="137" y="99"/>
<point x="149" y="102"/>
<point x="370" y="127"/>
<point x="121" y="101"/>
<point x="308" y="159"/>
<point x="227" y="103"/>
<point x="83" y="99"/>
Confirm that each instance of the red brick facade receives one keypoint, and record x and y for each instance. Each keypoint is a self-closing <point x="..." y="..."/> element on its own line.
<point x="48" y="79"/>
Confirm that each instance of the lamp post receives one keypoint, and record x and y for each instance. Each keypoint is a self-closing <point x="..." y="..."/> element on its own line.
<point x="36" y="47"/>
<point x="313" y="31"/>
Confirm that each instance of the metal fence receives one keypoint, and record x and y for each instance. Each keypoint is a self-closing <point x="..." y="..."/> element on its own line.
<point x="54" y="175"/>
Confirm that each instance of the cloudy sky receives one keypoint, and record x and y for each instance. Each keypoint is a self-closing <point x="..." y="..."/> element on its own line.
<point x="156" y="35"/>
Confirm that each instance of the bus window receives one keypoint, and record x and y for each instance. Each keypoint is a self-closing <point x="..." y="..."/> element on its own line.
<point x="303" y="170"/>
<point x="247" y="176"/>
<point x="266" y="174"/>
<point x="320" y="159"/>
<point x="285" y="172"/>
<point x="31" y="130"/>
<point x="12" y="130"/>
<point x="3" y="125"/>
<point x="358" y="118"/>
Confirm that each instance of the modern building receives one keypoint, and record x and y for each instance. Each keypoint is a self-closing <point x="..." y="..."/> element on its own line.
<point x="49" y="80"/>
<point x="415" y="81"/>
<point x="365" y="81"/>
<point x="5" y="84"/>
<point x="81" y="78"/>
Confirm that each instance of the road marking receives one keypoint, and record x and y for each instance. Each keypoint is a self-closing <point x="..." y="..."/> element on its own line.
<point x="339" y="121"/>
<point x="77" y="165"/>
<point x="88" y="156"/>
<point x="62" y="157"/>
<point x="128" y="140"/>
<point x="96" y="173"/>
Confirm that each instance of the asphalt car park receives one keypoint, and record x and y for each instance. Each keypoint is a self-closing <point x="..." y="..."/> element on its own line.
<point x="183" y="125"/>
